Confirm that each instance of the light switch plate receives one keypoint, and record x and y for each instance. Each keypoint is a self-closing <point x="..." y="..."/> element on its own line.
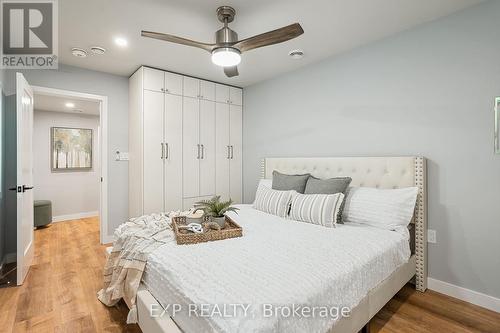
<point x="431" y="236"/>
<point x="121" y="156"/>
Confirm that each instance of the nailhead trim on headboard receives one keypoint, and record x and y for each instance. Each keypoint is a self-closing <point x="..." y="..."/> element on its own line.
<point x="263" y="169"/>
<point x="421" y="224"/>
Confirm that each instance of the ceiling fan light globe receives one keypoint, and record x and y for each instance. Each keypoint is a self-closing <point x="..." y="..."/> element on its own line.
<point x="226" y="57"/>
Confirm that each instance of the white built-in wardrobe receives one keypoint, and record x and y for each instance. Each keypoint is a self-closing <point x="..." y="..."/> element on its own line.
<point x="185" y="141"/>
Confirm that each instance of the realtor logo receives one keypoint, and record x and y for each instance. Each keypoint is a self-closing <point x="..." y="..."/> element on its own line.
<point x="29" y="34"/>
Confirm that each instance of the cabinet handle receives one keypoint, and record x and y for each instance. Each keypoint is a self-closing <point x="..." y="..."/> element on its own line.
<point x="198" y="157"/>
<point x="166" y="150"/>
<point x="162" y="151"/>
<point x="166" y="90"/>
<point x="228" y="152"/>
<point x="232" y="152"/>
<point x="202" y="152"/>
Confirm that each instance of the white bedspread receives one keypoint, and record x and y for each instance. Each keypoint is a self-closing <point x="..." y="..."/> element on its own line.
<point x="276" y="261"/>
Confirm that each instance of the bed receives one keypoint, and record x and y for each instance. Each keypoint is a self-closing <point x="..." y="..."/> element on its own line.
<point x="280" y="262"/>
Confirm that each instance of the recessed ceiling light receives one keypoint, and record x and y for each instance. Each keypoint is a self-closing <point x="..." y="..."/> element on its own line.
<point x="78" y="52"/>
<point x="70" y="105"/>
<point x="97" y="50"/>
<point x="122" y="42"/>
<point x="296" y="54"/>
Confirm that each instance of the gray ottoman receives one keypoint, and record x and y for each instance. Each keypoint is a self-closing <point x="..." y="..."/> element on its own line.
<point x="43" y="213"/>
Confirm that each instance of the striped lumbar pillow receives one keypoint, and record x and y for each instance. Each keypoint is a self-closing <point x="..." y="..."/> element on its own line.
<point x="321" y="209"/>
<point x="272" y="201"/>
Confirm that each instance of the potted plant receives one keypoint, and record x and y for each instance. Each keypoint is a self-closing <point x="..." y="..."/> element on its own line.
<point x="216" y="209"/>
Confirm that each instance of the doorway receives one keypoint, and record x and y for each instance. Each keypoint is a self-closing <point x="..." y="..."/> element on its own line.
<point x="68" y="175"/>
<point x="20" y="169"/>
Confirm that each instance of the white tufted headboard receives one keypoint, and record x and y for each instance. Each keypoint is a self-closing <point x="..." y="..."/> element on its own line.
<point x="379" y="172"/>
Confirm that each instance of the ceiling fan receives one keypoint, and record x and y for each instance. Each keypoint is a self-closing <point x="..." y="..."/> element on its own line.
<point x="227" y="49"/>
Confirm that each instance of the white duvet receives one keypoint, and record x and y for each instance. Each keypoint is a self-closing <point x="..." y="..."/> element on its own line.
<point x="278" y="262"/>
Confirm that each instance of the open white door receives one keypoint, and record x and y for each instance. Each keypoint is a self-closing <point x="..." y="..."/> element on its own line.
<point x="25" y="236"/>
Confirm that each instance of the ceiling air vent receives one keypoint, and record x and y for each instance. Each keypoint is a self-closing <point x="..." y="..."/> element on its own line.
<point x="296" y="54"/>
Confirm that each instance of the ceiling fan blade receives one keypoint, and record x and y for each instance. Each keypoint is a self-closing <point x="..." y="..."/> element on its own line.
<point x="231" y="71"/>
<point x="177" y="40"/>
<point x="269" y="38"/>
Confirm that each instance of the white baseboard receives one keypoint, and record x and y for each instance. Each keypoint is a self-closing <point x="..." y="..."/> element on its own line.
<point x="107" y="239"/>
<point x="76" y="216"/>
<point x="467" y="295"/>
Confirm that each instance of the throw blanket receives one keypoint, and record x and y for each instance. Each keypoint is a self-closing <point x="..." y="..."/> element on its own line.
<point x="135" y="239"/>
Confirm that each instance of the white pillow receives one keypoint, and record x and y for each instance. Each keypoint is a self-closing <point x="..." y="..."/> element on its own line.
<point x="321" y="209"/>
<point x="272" y="201"/>
<point x="390" y="209"/>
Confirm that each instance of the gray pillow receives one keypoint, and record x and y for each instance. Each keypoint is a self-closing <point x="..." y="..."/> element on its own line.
<point x="284" y="182"/>
<point x="327" y="186"/>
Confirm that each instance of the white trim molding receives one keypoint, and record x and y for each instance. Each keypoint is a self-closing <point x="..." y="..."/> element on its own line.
<point x="61" y="218"/>
<point x="107" y="239"/>
<point x="464" y="294"/>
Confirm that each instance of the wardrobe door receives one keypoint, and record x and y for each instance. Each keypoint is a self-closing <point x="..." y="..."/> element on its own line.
<point x="222" y="150"/>
<point x="236" y="156"/>
<point x="207" y="144"/>
<point x="221" y="93"/>
<point x="207" y="90"/>
<point x="191" y="87"/>
<point x="191" y="147"/>
<point x="153" y="152"/>
<point x="235" y="96"/>
<point x="173" y="152"/>
<point x="153" y="79"/>
<point x="173" y="83"/>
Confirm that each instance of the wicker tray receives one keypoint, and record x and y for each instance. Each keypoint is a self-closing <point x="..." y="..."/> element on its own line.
<point x="230" y="230"/>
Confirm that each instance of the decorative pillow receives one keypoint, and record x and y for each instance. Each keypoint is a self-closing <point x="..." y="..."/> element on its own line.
<point x="327" y="186"/>
<point x="272" y="201"/>
<point x="284" y="182"/>
<point x="384" y="208"/>
<point x="321" y="209"/>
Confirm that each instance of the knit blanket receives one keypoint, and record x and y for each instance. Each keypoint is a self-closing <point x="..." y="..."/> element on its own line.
<point x="123" y="271"/>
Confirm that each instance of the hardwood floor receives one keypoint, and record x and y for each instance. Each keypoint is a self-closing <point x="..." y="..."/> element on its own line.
<point x="59" y="294"/>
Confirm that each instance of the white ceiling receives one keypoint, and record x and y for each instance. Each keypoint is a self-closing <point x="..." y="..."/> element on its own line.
<point x="331" y="27"/>
<point x="58" y="104"/>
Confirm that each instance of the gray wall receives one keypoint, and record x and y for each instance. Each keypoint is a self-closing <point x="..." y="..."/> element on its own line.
<point x="2" y="178"/>
<point x="116" y="88"/>
<point x="428" y="91"/>
<point x="10" y="175"/>
<point x="56" y="186"/>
